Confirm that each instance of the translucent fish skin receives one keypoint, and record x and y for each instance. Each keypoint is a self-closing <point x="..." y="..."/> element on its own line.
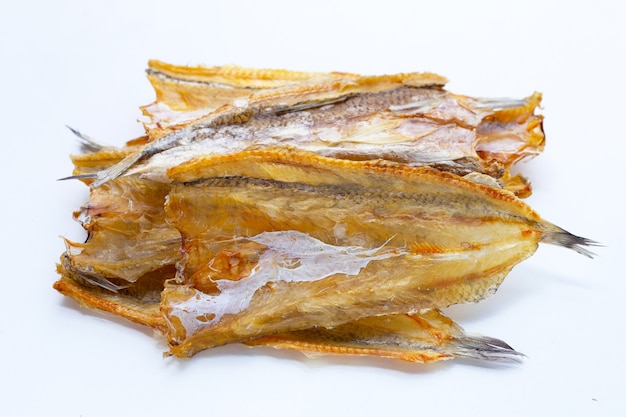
<point x="322" y="212"/>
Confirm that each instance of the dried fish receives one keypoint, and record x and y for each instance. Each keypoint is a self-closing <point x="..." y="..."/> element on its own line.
<point x="423" y="338"/>
<point x="407" y="118"/>
<point x="279" y="240"/>
<point x="329" y="213"/>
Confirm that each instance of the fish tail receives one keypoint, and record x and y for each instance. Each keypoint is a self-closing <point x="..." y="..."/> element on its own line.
<point x="107" y="174"/>
<point x="88" y="144"/>
<point x="79" y="177"/>
<point x="561" y="237"/>
<point x="484" y="347"/>
<point x="116" y="170"/>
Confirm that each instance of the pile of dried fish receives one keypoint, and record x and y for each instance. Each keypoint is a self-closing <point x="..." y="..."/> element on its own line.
<point x="323" y="212"/>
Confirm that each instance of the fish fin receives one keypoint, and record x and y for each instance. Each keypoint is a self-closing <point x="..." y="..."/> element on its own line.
<point x="79" y="177"/>
<point x="87" y="143"/>
<point x="557" y="236"/>
<point x="116" y="170"/>
<point x="108" y="174"/>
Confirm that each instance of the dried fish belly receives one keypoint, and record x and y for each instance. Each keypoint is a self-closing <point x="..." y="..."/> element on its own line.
<point x="327" y="213"/>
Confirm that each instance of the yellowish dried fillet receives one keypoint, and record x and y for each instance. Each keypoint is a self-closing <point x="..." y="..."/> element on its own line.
<point x="192" y="89"/>
<point x="311" y="241"/>
<point x="186" y="94"/>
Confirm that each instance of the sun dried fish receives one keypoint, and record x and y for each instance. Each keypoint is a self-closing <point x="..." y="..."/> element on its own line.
<point x="278" y="241"/>
<point x="407" y="118"/>
<point x="320" y="212"/>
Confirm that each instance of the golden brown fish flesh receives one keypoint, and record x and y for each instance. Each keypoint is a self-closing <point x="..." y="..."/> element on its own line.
<point x="328" y="213"/>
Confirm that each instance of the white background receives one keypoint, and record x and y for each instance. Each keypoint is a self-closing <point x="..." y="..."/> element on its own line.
<point x="82" y="63"/>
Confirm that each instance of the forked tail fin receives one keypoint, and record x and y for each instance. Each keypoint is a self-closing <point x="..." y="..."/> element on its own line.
<point x="557" y="236"/>
<point x="110" y="173"/>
